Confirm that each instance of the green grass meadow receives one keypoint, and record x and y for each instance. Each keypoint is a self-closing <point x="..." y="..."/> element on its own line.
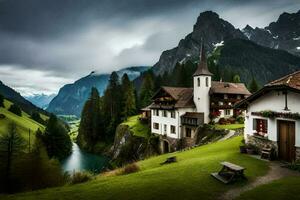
<point x="189" y="178"/>
<point x="137" y="128"/>
<point x="24" y="123"/>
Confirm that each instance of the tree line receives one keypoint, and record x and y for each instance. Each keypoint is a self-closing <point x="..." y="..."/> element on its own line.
<point x="101" y="115"/>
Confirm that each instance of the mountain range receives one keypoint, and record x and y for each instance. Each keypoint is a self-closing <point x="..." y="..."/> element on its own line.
<point x="41" y="100"/>
<point x="283" y="34"/>
<point x="266" y="53"/>
<point x="71" y="97"/>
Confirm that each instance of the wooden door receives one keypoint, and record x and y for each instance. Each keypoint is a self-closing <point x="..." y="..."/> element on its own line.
<point x="286" y="140"/>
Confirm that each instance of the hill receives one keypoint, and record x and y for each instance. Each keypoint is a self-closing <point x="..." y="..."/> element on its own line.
<point x="16" y="97"/>
<point x="24" y="123"/>
<point x="189" y="178"/>
<point x="71" y="98"/>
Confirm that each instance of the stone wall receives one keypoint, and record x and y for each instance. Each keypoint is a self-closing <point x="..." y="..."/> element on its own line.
<point x="261" y="142"/>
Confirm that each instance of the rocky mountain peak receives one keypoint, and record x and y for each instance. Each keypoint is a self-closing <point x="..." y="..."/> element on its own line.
<point x="210" y="28"/>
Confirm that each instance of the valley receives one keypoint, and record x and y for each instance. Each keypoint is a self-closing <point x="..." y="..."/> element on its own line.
<point x="214" y="115"/>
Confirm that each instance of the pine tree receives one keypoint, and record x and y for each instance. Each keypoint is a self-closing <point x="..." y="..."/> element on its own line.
<point x="147" y="90"/>
<point x="236" y="79"/>
<point x="11" y="145"/>
<point x="253" y="87"/>
<point x="91" y="128"/>
<point x="56" y="139"/>
<point x="112" y="104"/>
<point x="1" y="101"/>
<point x="15" y="109"/>
<point x="129" y="101"/>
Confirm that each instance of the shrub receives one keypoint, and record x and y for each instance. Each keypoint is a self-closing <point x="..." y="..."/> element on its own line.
<point x="130" y="168"/>
<point x="2" y="116"/>
<point x="214" y="114"/>
<point x="222" y="121"/>
<point x="37" y="117"/>
<point x="240" y="119"/>
<point x="15" y="109"/>
<point x="294" y="166"/>
<point x="80" y="177"/>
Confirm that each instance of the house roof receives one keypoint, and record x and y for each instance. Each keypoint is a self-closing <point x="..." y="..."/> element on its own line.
<point x="289" y="82"/>
<point x="193" y="115"/>
<point x="202" y="66"/>
<point x="228" y="88"/>
<point x="183" y="96"/>
<point x="147" y="108"/>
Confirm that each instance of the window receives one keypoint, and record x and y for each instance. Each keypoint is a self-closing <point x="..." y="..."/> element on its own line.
<point x="173" y="114"/>
<point x="261" y="126"/>
<point x="188" y="132"/>
<point x="206" y="81"/>
<point x="225" y="96"/>
<point x="238" y="97"/>
<point x="227" y="112"/>
<point x="165" y="128"/>
<point x="156" y="112"/>
<point x="173" y="131"/>
<point x="165" y="113"/>
<point x="156" y="126"/>
<point x="198" y="80"/>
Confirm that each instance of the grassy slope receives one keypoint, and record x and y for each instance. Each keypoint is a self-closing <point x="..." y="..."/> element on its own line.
<point x="229" y="126"/>
<point x="287" y="188"/>
<point x="189" y="178"/>
<point x="138" y="129"/>
<point x="24" y="123"/>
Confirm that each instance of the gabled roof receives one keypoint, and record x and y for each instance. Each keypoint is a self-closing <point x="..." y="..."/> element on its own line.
<point x="289" y="82"/>
<point x="228" y="88"/>
<point x="202" y="66"/>
<point x="183" y="96"/>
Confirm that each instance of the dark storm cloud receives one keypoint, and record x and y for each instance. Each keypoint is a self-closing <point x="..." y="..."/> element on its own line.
<point x="61" y="40"/>
<point x="52" y="17"/>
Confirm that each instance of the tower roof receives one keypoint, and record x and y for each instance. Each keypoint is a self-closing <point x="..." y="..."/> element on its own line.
<point x="202" y="66"/>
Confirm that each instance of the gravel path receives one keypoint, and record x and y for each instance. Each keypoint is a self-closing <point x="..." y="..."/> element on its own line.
<point x="276" y="172"/>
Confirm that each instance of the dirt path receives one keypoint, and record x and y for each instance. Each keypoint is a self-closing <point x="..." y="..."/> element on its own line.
<point x="276" y="172"/>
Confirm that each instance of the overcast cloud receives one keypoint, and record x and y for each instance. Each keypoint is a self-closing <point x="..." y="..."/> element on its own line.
<point x="45" y="44"/>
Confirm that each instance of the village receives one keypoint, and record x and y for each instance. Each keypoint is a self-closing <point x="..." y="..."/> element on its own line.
<point x="143" y="100"/>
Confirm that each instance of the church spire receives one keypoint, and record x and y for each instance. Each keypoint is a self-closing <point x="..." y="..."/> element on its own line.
<point x="202" y="66"/>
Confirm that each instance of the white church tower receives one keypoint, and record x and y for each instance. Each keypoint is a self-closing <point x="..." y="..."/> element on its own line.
<point x="202" y="84"/>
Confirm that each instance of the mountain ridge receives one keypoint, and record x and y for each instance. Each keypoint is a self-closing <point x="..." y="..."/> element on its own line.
<point x="15" y="97"/>
<point x="211" y="29"/>
<point x="71" y="97"/>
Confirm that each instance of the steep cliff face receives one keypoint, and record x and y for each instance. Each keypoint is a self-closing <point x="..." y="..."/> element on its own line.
<point x="210" y="29"/>
<point x="128" y="148"/>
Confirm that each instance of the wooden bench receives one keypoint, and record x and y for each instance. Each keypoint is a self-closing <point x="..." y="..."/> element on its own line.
<point x="229" y="173"/>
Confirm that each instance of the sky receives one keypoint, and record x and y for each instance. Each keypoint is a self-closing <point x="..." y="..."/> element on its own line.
<point x="45" y="44"/>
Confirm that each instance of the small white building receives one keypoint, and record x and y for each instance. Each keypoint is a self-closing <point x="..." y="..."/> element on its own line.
<point x="272" y="117"/>
<point x="177" y="112"/>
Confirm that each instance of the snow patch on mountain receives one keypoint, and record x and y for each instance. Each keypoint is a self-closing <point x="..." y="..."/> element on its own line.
<point x="296" y="38"/>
